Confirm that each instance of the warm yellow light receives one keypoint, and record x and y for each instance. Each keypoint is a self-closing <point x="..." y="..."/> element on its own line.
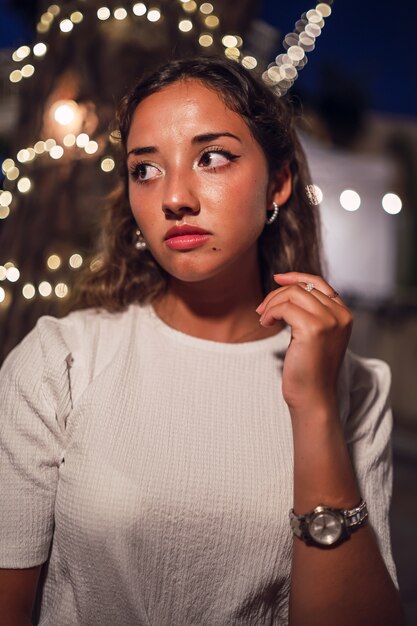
<point x="15" y="76"/>
<point x="185" y="26"/>
<point x="96" y="264"/>
<point x="154" y="15"/>
<point x="82" y="140"/>
<point x="39" y="49"/>
<point x="39" y="147"/>
<point x="5" y="198"/>
<point x="53" y="262"/>
<point x="2" y="294"/>
<point x="324" y="9"/>
<point x="76" y="17"/>
<point x="75" y="260"/>
<point x="24" y="184"/>
<point x="46" y="18"/>
<point x="27" y="70"/>
<point x="249" y="62"/>
<point x="28" y="291"/>
<point x="212" y="21"/>
<point x="190" y="6"/>
<point x="206" y="8"/>
<point x="107" y="164"/>
<point x="12" y="173"/>
<point x="66" y="26"/>
<point x="4" y="212"/>
<point x="91" y="147"/>
<point x="205" y="40"/>
<point x="61" y="290"/>
<point x="56" y="152"/>
<point x="45" y="288"/>
<point x="120" y="13"/>
<point x="232" y="53"/>
<point x="12" y="274"/>
<point x="391" y="203"/>
<point x="42" y="28"/>
<point x="65" y="111"/>
<point x="7" y="165"/>
<point x="350" y="200"/>
<point x="22" y="52"/>
<point x="23" y="155"/>
<point x="69" y="140"/>
<point x="139" y="8"/>
<point x="50" y="143"/>
<point x="3" y="272"/>
<point x="31" y="154"/>
<point x="229" y="41"/>
<point x="103" y="13"/>
<point x="54" y="9"/>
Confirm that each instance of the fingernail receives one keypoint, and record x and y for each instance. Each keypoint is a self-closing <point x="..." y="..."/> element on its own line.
<point x="260" y="308"/>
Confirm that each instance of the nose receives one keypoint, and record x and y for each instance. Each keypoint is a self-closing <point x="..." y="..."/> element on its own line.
<point x="180" y="197"/>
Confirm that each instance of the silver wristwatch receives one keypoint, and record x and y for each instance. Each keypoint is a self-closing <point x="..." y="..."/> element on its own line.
<point x="325" y="526"/>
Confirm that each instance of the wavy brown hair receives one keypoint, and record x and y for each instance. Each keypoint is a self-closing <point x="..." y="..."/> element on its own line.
<point x="292" y="243"/>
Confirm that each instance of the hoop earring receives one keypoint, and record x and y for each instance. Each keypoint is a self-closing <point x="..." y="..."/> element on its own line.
<point x="274" y="214"/>
<point x="140" y="243"/>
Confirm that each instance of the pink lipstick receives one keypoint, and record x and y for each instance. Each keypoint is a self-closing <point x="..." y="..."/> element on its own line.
<point x="186" y="237"/>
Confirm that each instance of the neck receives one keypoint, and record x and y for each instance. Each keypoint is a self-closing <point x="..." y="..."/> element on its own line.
<point x="221" y="308"/>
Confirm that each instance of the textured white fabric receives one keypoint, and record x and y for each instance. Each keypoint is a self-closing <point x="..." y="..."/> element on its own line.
<point x="153" y="470"/>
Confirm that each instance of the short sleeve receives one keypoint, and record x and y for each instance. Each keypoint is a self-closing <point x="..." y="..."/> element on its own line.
<point x="368" y="432"/>
<point x="34" y="398"/>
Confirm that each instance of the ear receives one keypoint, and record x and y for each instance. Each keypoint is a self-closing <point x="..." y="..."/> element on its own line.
<point x="280" y="186"/>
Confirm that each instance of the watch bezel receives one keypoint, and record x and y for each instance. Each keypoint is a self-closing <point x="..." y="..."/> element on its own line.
<point x="336" y="515"/>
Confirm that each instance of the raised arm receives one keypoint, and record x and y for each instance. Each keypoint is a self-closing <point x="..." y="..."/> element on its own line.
<point x="347" y="583"/>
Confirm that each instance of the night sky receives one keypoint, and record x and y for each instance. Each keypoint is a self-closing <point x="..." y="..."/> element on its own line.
<point x="373" y="43"/>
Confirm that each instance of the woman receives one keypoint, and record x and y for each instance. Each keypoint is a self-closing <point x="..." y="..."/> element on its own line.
<point x="155" y="441"/>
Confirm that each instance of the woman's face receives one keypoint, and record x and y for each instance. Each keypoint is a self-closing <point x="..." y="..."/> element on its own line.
<point x="193" y="164"/>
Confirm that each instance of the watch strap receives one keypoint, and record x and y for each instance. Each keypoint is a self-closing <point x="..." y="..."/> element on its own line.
<point x="352" y="519"/>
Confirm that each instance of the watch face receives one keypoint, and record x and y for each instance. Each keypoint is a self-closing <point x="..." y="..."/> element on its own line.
<point x="325" y="528"/>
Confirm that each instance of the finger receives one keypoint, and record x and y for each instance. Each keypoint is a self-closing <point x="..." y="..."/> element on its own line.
<point x="296" y="294"/>
<point x="293" y="315"/>
<point x="318" y="281"/>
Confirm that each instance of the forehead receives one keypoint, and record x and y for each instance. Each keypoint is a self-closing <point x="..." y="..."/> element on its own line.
<point x="187" y="107"/>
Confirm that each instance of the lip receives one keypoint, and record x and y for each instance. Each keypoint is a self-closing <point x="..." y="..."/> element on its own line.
<point x="185" y="230"/>
<point x="186" y="237"/>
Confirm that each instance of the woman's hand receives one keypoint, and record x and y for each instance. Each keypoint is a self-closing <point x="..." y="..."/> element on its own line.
<point x="320" y="330"/>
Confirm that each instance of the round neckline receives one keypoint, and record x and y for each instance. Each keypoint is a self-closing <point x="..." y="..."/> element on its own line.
<point x="276" y="342"/>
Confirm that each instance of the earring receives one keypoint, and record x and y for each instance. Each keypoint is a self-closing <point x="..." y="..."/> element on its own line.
<point x="274" y="214"/>
<point x="140" y="243"/>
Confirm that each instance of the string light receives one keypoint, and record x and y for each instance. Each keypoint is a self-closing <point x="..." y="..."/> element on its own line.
<point x="139" y="9"/>
<point x="3" y="272"/>
<point x="4" y="212"/>
<point x="205" y="40"/>
<point x="56" y="152"/>
<point x="75" y="261"/>
<point x="91" y="147"/>
<point x="350" y="200"/>
<point x="12" y="274"/>
<point x="45" y="289"/>
<point x="391" y="203"/>
<point x="185" y="26"/>
<point x="39" y="49"/>
<point x="2" y="294"/>
<point x="154" y="15"/>
<point x="82" y="140"/>
<point x="206" y="8"/>
<point x="107" y="164"/>
<point x="76" y="17"/>
<point x="103" y="13"/>
<point x="53" y="262"/>
<point x="190" y="6"/>
<point x="120" y="13"/>
<point x="28" y="291"/>
<point x="24" y="184"/>
<point x="61" y="290"/>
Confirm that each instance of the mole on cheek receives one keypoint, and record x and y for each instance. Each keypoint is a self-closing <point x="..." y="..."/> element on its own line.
<point x="216" y="249"/>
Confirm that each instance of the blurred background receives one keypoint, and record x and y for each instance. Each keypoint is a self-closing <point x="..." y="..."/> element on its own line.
<point x="65" y="65"/>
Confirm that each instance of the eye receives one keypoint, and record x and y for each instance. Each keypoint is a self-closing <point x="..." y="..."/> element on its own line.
<point x="142" y="172"/>
<point x="214" y="158"/>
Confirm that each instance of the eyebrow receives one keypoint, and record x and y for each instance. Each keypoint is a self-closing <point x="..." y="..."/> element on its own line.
<point x="198" y="139"/>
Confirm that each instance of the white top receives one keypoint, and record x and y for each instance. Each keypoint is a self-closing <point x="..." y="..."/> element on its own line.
<point x="154" y="470"/>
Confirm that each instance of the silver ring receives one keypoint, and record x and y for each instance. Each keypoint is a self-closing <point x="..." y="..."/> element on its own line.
<point x="309" y="287"/>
